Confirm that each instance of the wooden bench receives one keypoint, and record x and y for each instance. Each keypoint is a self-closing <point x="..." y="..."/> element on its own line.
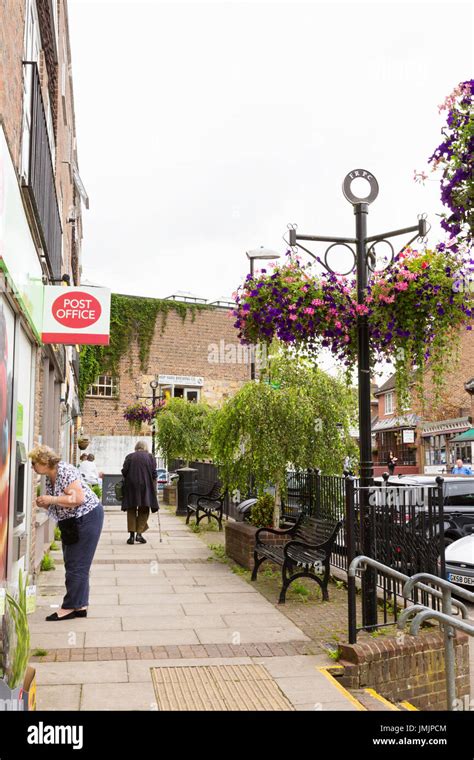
<point x="306" y="553"/>
<point x="210" y="503"/>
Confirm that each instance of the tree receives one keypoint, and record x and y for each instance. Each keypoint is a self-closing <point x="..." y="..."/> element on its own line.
<point x="297" y="416"/>
<point x="183" y="430"/>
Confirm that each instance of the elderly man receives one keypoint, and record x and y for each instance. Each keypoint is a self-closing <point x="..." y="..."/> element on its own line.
<point x="461" y="469"/>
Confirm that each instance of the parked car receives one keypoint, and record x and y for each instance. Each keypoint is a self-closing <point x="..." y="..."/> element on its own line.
<point x="459" y="558"/>
<point x="458" y="506"/>
<point x="163" y="478"/>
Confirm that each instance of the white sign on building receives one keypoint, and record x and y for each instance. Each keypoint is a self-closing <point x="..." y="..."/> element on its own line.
<point x="77" y="315"/>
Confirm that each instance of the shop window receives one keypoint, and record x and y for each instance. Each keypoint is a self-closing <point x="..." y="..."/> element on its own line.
<point x="105" y="387"/>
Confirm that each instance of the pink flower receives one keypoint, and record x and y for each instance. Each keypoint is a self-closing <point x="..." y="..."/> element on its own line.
<point x="338" y="325"/>
<point x="292" y="307"/>
<point x="369" y="299"/>
<point x="346" y="339"/>
<point x="317" y="302"/>
<point x="308" y="310"/>
<point x="293" y="316"/>
<point x="401" y="285"/>
<point x="361" y="309"/>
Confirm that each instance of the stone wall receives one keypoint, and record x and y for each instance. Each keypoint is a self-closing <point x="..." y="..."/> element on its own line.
<point x="240" y="542"/>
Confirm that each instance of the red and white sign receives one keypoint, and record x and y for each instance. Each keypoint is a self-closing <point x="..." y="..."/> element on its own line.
<point x="76" y="315"/>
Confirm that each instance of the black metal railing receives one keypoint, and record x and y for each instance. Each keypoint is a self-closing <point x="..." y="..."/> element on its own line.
<point x="40" y="180"/>
<point x="406" y="533"/>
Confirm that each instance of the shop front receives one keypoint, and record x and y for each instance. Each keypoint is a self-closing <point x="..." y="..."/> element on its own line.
<point x="396" y="436"/>
<point x="441" y="445"/>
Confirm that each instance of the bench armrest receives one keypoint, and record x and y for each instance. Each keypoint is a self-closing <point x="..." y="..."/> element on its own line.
<point x="218" y="500"/>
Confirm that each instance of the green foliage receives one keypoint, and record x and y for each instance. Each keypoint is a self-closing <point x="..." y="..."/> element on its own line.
<point x="54" y="547"/>
<point x="183" y="429"/>
<point x="334" y="654"/>
<point x="18" y="635"/>
<point x="40" y="652"/>
<point x="300" y="590"/>
<point x="131" y="318"/>
<point x="262" y="512"/>
<point x="97" y="490"/>
<point x="218" y="550"/>
<point x="196" y="528"/>
<point x="47" y="563"/>
<point x="57" y="534"/>
<point x="303" y="423"/>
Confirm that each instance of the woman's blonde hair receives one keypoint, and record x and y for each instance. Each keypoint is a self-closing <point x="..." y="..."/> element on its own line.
<point x="44" y="455"/>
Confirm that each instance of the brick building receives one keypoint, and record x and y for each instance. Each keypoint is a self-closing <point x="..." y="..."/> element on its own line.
<point x="428" y="442"/>
<point x="40" y="239"/>
<point x="198" y="358"/>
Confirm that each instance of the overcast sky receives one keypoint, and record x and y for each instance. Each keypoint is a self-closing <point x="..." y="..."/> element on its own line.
<point x="204" y="128"/>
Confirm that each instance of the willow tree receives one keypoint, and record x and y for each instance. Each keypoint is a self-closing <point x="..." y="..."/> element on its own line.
<point x="183" y="430"/>
<point x="297" y="416"/>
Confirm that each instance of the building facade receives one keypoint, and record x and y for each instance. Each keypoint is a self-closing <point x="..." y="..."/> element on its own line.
<point x="197" y="358"/>
<point x="429" y="440"/>
<point x="40" y="239"/>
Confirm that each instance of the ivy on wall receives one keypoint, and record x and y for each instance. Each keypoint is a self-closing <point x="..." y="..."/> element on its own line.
<point x="131" y="318"/>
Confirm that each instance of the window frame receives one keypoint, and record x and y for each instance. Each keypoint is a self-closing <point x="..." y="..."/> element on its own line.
<point x="113" y="385"/>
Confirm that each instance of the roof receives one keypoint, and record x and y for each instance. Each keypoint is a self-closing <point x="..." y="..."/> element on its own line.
<point x="389" y="384"/>
<point x="468" y="435"/>
<point x="395" y="423"/>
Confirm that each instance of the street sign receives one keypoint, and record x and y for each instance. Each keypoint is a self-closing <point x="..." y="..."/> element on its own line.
<point x="77" y="315"/>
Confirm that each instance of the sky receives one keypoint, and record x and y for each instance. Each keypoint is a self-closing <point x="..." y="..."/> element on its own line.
<point x="205" y="128"/>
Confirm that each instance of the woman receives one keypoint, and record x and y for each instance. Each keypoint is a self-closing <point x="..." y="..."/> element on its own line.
<point x="139" y="491"/>
<point x="67" y="498"/>
<point x="391" y="462"/>
<point x="88" y="470"/>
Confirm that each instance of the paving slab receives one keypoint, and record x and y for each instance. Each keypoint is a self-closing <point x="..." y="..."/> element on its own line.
<point x="158" y="599"/>
<point x="130" y="696"/>
<point x="136" y="611"/>
<point x="77" y="625"/>
<point x="171" y="622"/>
<point x="140" y="638"/>
<point x="68" y="638"/>
<point x="52" y="673"/>
<point x="249" y="636"/>
<point x="58" y="698"/>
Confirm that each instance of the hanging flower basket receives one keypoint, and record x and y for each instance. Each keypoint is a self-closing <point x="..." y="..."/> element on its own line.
<point x="137" y="414"/>
<point x="83" y="443"/>
<point x="415" y="310"/>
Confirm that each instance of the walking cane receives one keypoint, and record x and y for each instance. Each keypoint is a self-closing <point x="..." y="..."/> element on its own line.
<point x="159" y="524"/>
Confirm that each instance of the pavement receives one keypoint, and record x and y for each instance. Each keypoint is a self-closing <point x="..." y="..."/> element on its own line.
<point x="163" y="606"/>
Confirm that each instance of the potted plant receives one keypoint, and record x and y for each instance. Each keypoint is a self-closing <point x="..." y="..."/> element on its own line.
<point x="16" y="649"/>
<point x="83" y="442"/>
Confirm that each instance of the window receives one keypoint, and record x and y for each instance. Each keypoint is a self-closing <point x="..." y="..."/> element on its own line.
<point x="105" y="386"/>
<point x="179" y="391"/>
<point x="389" y="403"/>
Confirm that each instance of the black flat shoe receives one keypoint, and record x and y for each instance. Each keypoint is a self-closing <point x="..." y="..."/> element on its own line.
<point x="55" y="616"/>
<point x="81" y="613"/>
<point x="139" y="539"/>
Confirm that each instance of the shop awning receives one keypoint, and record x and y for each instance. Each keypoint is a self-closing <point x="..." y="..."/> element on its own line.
<point x="465" y="437"/>
<point x="395" y="423"/>
<point x="441" y="427"/>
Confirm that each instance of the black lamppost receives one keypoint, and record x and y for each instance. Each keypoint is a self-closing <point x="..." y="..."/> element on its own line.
<point x="264" y="254"/>
<point x="364" y="262"/>
<point x="154" y="398"/>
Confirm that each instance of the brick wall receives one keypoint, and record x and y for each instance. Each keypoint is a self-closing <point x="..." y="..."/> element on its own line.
<point x="11" y="72"/>
<point x="411" y="669"/>
<point x="183" y="348"/>
<point x="240" y="542"/>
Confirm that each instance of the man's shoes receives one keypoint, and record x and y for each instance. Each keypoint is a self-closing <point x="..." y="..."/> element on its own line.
<point x="55" y="616"/>
<point x="131" y="540"/>
<point x="139" y="539"/>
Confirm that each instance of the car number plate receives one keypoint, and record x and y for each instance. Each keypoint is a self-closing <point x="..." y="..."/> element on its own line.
<point x="465" y="579"/>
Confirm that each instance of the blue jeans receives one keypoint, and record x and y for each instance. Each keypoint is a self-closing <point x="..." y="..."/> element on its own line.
<point x="78" y="558"/>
